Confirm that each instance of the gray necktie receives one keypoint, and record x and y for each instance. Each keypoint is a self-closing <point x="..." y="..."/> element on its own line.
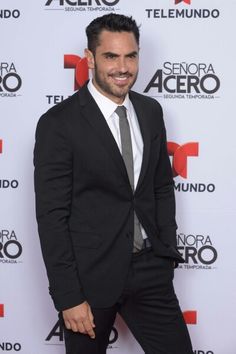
<point x="127" y="154"/>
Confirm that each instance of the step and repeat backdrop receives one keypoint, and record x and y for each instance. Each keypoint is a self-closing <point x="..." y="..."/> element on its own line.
<point x="187" y="63"/>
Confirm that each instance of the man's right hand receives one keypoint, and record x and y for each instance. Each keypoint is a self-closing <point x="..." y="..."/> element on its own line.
<point x="80" y="319"/>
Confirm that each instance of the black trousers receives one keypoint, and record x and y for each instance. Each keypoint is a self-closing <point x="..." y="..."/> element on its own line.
<point x="149" y="307"/>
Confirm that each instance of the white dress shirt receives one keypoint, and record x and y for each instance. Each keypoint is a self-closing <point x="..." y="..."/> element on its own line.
<point x="108" y="107"/>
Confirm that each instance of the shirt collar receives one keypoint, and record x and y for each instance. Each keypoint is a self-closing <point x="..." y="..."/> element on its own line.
<point x="106" y="106"/>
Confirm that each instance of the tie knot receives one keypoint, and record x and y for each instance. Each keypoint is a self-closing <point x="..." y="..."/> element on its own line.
<point x="121" y="111"/>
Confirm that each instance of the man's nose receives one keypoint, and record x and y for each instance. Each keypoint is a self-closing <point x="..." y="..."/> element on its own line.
<point x="122" y="65"/>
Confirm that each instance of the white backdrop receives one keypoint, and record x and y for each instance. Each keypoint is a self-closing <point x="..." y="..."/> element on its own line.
<point x="187" y="63"/>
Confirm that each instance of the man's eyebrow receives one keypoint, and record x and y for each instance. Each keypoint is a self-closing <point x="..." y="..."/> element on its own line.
<point x="132" y="53"/>
<point x="117" y="55"/>
<point x="110" y="53"/>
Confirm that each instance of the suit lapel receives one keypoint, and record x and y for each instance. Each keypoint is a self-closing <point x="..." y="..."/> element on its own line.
<point x="97" y="121"/>
<point x="141" y="113"/>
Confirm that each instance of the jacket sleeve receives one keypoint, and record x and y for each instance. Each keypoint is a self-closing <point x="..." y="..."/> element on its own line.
<point x="164" y="194"/>
<point x="53" y="189"/>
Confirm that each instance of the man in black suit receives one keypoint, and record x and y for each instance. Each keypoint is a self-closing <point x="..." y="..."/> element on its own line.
<point x="105" y="204"/>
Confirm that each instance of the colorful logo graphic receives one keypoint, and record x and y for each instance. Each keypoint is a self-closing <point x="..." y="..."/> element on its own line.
<point x="80" y="67"/>
<point x="185" y="1"/>
<point x="180" y="12"/>
<point x="190" y="317"/>
<point x="5" y="183"/>
<point x="1" y="310"/>
<point x="180" y="155"/>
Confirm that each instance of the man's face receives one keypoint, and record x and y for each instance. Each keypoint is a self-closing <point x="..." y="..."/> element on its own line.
<point x="115" y="64"/>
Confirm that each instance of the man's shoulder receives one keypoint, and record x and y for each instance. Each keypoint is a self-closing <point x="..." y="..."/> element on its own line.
<point x="59" y="116"/>
<point x="144" y="98"/>
<point x="63" y="107"/>
<point x="65" y="110"/>
<point x="147" y="101"/>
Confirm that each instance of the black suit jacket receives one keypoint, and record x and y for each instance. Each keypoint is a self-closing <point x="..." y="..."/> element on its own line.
<point x="85" y="204"/>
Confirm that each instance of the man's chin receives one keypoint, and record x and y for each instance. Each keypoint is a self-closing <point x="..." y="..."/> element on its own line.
<point x="121" y="91"/>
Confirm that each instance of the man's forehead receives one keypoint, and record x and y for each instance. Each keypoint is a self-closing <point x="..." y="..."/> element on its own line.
<point x="114" y="40"/>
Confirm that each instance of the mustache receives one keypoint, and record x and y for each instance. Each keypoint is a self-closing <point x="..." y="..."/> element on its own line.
<point x="121" y="74"/>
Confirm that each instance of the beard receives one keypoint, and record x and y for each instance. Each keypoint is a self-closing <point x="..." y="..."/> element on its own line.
<point x="111" y="89"/>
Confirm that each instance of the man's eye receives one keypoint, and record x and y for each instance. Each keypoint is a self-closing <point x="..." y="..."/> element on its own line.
<point x="133" y="56"/>
<point x="110" y="56"/>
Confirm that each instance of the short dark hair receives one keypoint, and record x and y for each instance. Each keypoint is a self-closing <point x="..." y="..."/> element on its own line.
<point x="110" y="22"/>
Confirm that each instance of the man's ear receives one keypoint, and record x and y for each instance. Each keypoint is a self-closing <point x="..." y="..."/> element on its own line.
<point x="90" y="58"/>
